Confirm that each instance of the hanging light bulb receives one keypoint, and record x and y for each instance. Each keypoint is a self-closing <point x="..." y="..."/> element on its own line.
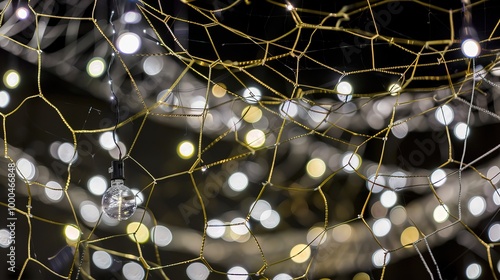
<point x="468" y="35"/>
<point x="118" y="202"/>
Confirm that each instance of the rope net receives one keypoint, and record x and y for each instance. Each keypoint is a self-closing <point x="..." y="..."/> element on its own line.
<point x="260" y="140"/>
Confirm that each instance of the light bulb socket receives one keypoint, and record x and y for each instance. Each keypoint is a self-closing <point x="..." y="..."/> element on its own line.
<point x="117" y="170"/>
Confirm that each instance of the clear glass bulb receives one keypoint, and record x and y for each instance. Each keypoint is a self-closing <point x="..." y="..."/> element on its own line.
<point x="118" y="202"/>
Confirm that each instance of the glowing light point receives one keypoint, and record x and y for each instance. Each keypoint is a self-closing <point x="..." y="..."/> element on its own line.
<point x="22" y="13"/>
<point x="471" y="48"/>
<point x="128" y="43"/>
<point x="11" y="79"/>
<point x="344" y="88"/>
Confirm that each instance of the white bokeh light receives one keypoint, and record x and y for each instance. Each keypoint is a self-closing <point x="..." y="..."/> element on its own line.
<point x="89" y="211"/>
<point x="473" y="271"/>
<point x="197" y="271"/>
<point x="258" y="207"/>
<point x="22" y="13"/>
<point x="5" y="239"/>
<point x="388" y="199"/>
<point x="133" y="271"/>
<point x="152" y="65"/>
<point x="161" y="235"/>
<point x="375" y="183"/>
<point x="102" y="259"/>
<point x="288" y="109"/>
<point x="66" y="152"/>
<point x="444" y="114"/>
<point x="438" y="177"/>
<point x="381" y="227"/>
<point x="344" y="88"/>
<point x="238" y="181"/>
<point x="26" y="168"/>
<point x="461" y="130"/>
<point x="477" y="205"/>
<point x="252" y="95"/>
<point x="97" y="185"/>
<point x="494" y="232"/>
<point x="54" y="191"/>
<point x="440" y="213"/>
<point x="270" y="219"/>
<point x="11" y="79"/>
<point x="351" y="161"/>
<point x="107" y="140"/>
<point x="4" y="99"/>
<point x="239" y="226"/>
<point x="379" y="256"/>
<point x="128" y="43"/>
<point x="216" y="228"/>
<point x="237" y="273"/>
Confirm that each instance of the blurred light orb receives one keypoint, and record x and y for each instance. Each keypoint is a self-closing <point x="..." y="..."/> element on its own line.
<point x="258" y="207"/>
<point x="351" y="162"/>
<point x="300" y="253"/>
<point x="375" y="183"/>
<point x="11" y="79"/>
<point x="381" y="227"/>
<point x="102" y="259"/>
<point x="131" y="17"/>
<point x="440" y="213"/>
<point x="54" y="191"/>
<point x="152" y="65"/>
<point x="344" y="88"/>
<point x="25" y="168"/>
<point x="318" y="114"/>
<point x="71" y="232"/>
<point x="477" y="205"/>
<point x="316" y="167"/>
<point x="237" y="273"/>
<point x="216" y="228"/>
<point x="185" y="149"/>
<point x="128" y="43"/>
<point x="494" y="232"/>
<point x="219" y="90"/>
<point x="89" y="211"/>
<point x="438" y="177"/>
<point x="138" y="232"/>
<point x="97" y="185"/>
<point x="270" y="219"/>
<point x="133" y="271"/>
<point x="252" y="95"/>
<point x="255" y="138"/>
<point x="444" y="114"/>
<point x="282" y="276"/>
<point x="5" y="239"/>
<point x="251" y="114"/>
<point x="96" y="67"/>
<point x="471" y="48"/>
<point x="409" y="236"/>
<point x="238" y="181"/>
<point x="388" y="199"/>
<point x="197" y="271"/>
<point x="288" y="109"/>
<point x="461" y="130"/>
<point x="22" y="13"/>
<point x="316" y="236"/>
<point x="473" y="271"/>
<point x="67" y="152"/>
<point x="161" y="235"/>
<point x="397" y="180"/>
<point x="4" y="98"/>
<point x="342" y="233"/>
<point x="107" y="140"/>
<point x="239" y="226"/>
<point x="400" y="130"/>
<point x="380" y="257"/>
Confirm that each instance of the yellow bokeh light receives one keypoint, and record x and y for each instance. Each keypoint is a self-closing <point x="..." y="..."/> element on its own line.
<point x="361" y="276"/>
<point x="316" y="167"/>
<point x="255" y="138"/>
<point x="138" y="231"/>
<point x="251" y="114"/>
<point x="300" y="253"/>
<point x="409" y="235"/>
<point x="185" y="149"/>
<point x="11" y="79"/>
<point x="219" y="90"/>
<point x="71" y="232"/>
